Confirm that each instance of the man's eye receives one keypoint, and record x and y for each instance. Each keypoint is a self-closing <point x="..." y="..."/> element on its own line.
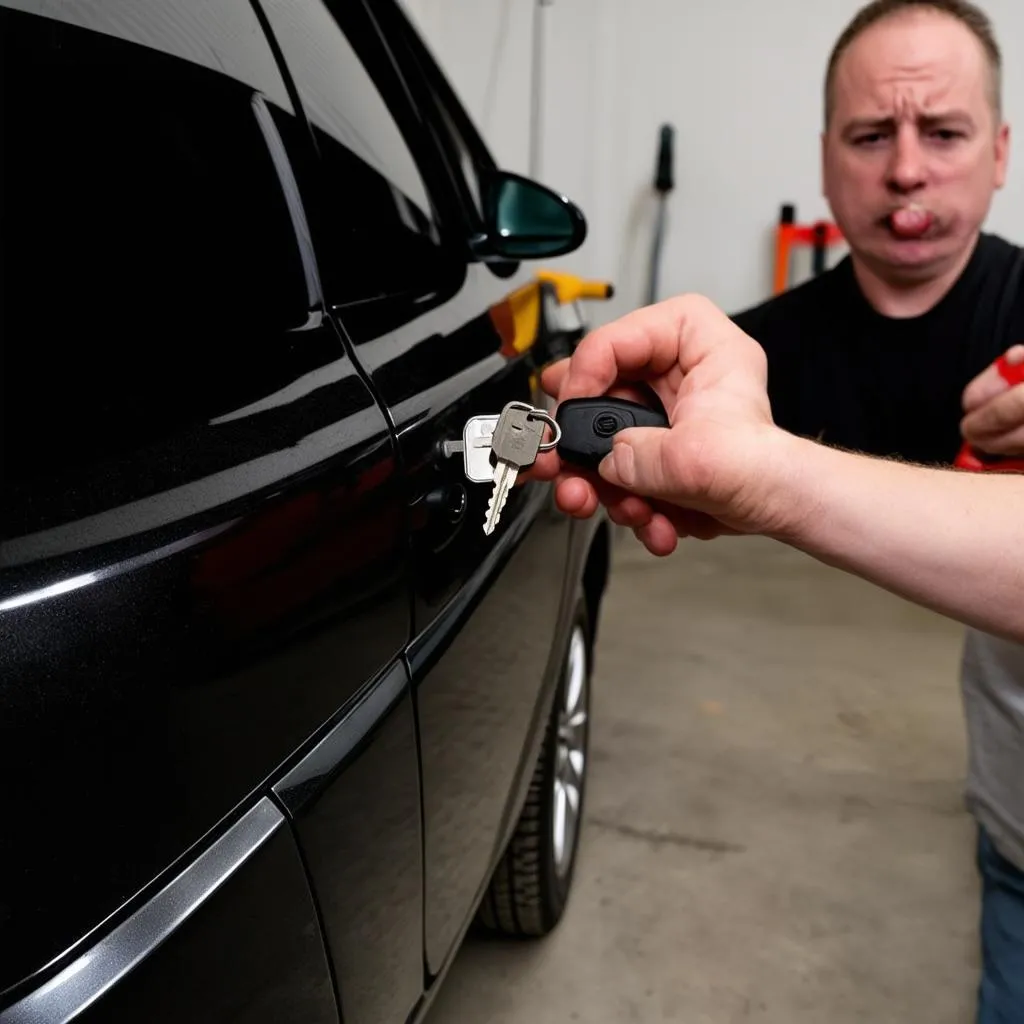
<point x="868" y="139"/>
<point x="947" y="134"/>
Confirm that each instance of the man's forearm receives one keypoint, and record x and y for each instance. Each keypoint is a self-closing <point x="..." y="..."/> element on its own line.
<point x="948" y="540"/>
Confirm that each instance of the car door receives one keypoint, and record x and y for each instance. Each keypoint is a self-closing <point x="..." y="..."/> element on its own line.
<point x="441" y="338"/>
<point x="203" y="546"/>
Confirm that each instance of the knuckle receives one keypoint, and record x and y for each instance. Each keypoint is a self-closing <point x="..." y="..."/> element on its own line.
<point x="692" y="307"/>
<point x="1007" y="414"/>
<point x="688" y="465"/>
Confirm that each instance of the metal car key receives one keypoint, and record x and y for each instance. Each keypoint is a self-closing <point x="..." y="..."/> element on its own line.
<point x="518" y="437"/>
<point x="475" y="448"/>
<point x="589" y="426"/>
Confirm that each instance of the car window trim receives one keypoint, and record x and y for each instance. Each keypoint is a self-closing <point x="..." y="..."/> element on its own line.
<point x="427" y="90"/>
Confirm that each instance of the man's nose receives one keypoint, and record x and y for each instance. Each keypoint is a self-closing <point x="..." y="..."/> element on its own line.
<point x="907" y="168"/>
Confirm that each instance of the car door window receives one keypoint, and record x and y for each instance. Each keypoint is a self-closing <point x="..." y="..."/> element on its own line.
<point x="466" y="167"/>
<point x="383" y="234"/>
<point x="463" y="149"/>
<point x="154" y="261"/>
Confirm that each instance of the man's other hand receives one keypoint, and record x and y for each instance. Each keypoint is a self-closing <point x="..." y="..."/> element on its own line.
<point x="994" y="420"/>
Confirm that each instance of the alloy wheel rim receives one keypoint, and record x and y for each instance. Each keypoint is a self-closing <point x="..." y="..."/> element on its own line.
<point x="570" y="754"/>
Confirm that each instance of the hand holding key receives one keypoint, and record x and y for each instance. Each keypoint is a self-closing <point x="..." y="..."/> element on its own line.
<point x="716" y="469"/>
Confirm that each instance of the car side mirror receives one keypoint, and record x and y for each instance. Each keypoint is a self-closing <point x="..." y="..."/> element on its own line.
<point x="525" y="220"/>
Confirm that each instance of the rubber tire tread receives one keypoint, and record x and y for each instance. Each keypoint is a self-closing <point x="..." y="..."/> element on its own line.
<point x="524" y="899"/>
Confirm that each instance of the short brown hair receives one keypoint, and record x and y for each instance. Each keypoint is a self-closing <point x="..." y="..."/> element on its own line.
<point x="969" y="15"/>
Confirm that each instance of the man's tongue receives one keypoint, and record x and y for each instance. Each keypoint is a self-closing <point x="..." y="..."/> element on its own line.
<point x="910" y="222"/>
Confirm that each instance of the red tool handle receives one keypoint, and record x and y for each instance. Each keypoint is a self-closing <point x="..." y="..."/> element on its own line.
<point x="981" y="462"/>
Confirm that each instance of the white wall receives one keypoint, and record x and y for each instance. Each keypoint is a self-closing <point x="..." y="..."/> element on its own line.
<point x="615" y="70"/>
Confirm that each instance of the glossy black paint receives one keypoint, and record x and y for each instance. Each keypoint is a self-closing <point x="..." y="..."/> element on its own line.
<point x="260" y="927"/>
<point x="480" y="653"/>
<point x="233" y="562"/>
<point x="483" y="658"/>
<point x="229" y="581"/>
<point x="355" y="801"/>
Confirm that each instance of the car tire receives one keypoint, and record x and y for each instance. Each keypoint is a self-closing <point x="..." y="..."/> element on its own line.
<point x="531" y="883"/>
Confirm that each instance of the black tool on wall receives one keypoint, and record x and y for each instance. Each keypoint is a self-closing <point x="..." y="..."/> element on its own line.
<point x="663" y="184"/>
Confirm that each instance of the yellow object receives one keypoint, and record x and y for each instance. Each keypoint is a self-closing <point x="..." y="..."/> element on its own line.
<point x="525" y="306"/>
<point x="570" y="288"/>
<point x="517" y="317"/>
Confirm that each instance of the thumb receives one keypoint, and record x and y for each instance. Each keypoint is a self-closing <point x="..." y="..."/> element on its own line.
<point x="641" y="461"/>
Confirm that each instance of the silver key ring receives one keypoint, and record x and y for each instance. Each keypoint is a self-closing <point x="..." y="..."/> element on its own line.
<point x="540" y="414"/>
<point x="547" y="446"/>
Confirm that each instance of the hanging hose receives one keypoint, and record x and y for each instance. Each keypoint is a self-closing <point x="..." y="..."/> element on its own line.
<point x="663" y="184"/>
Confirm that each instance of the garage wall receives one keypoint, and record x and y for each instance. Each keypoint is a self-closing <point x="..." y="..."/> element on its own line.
<point x="614" y="71"/>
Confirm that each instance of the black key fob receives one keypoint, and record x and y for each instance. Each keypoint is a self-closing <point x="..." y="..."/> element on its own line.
<point x="589" y="426"/>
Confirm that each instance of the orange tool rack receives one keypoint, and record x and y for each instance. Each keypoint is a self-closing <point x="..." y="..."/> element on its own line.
<point x="820" y="235"/>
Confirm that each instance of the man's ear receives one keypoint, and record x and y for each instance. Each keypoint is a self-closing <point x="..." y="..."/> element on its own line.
<point x="1002" y="154"/>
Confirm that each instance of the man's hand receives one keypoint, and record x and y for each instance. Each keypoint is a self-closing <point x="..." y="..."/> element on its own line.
<point x="994" y="420"/>
<point x="716" y="468"/>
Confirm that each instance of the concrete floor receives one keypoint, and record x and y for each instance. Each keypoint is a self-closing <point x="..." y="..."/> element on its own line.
<point x="774" y="826"/>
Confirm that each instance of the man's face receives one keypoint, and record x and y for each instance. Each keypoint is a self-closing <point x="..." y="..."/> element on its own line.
<point x="913" y="152"/>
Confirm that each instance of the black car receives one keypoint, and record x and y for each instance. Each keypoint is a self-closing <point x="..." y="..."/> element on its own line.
<point x="278" y="720"/>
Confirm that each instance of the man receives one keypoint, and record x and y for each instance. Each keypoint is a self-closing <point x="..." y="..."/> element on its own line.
<point x="879" y="355"/>
<point x="876" y="354"/>
<point x="886" y="352"/>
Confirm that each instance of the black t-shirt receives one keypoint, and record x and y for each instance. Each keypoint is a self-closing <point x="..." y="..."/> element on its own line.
<point x="841" y="372"/>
